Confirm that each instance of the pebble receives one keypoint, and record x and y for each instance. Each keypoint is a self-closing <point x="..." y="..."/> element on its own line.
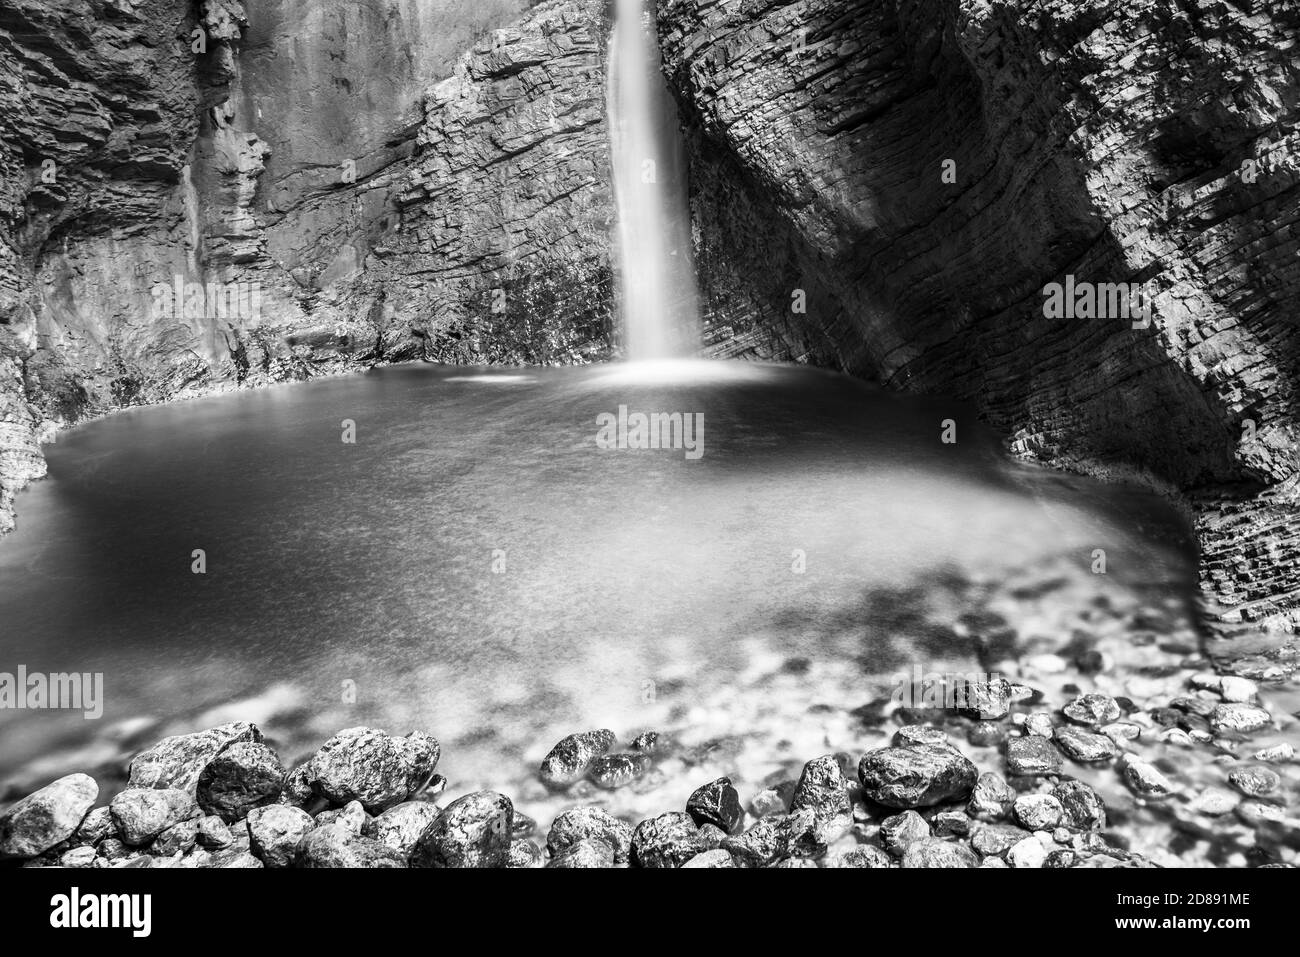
<point x="1144" y="778"/>
<point x="1255" y="782"/>
<point x="986" y="734"/>
<point x="275" y="831"/>
<point x="916" y="776"/>
<point x="1228" y="687"/>
<point x="994" y="840"/>
<point x="333" y="845"/>
<point x="911" y="734"/>
<point x="1121" y="731"/>
<point x="669" y="840"/>
<point x="570" y="759"/>
<point x="1032" y="756"/>
<point x="1038" y="812"/>
<point x="583" y="823"/>
<point x="714" y="858"/>
<point x="1086" y="747"/>
<point x="823" y="791"/>
<point x="83" y="856"/>
<point x="612" y="771"/>
<point x="352" y="816"/>
<point x="1242" y="718"/>
<point x="524" y="854"/>
<point x="864" y="856"/>
<point x="472" y="831"/>
<point x="951" y="823"/>
<point x="1081" y="806"/>
<point x="986" y="700"/>
<point x="901" y="830"/>
<point x="240" y="778"/>
<point x="991" y="798"/>
<point x="401" y="826"/>
<point x="1093" y="709"/>
<point x="1277" y="754"/>
<point x="213" y="833"/>
<point x="1027" y="853"/>
<point x="373" y="767"/>
<point x="933" y="852"/>
<point x="141" y="814"/>
<point x="46" y="817"/>
<point x="1038" y="724"/>
<point x="176" y="762"/>
<point x="716" y="803"/>
<point x="178" y="838"/>
<point x="586" y="853"/>
<point x="96" y="826"/>
<point x="1214" y="801"/>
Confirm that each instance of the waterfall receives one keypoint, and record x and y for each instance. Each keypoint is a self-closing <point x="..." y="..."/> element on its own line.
<point x="658" y="303"/>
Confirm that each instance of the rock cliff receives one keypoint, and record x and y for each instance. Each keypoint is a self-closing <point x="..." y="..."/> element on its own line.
<point x="198" y="196"/>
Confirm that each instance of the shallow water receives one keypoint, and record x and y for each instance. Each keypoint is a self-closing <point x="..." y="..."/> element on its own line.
<point x="632" y="579"/>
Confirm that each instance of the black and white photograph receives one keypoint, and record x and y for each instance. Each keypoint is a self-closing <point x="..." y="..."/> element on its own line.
<point x="651" y="434"/>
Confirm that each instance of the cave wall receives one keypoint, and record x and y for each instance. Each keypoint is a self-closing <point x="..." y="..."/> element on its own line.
<point x="1108" y="140"/>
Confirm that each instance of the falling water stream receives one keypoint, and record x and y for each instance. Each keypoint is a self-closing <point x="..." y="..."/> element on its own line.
<point x="657" y="296"/>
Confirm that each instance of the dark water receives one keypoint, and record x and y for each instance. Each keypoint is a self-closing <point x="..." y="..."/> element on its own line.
<point x="369" y="567"/>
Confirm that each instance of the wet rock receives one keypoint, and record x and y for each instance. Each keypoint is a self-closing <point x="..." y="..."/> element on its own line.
<point x="864" y="856"/>
<point x="714" y="858"/>
<point x="1082" y="806"/>
<point x="1144" y="778"/>
<point x="333" y="845"/>
<point x="669" y="840"/>
<point x="1255" y="782"/>
<point x="1091" y="710"/>
<point x="588" y="852"/>
<point x="586" y="823"/>
<point x="994" y="840"/>
<point x="141" y="814"/>
<point x="1229" y="687"/>
<point x="232" y="858"/>
<point x="1027" y="853"/>
<point x="901" y="830"/>
<point x="473" y="831"/>
<point x="1061" y="858"/>
<point x="96" y="826"/>
<point x="611" y="771"/>
<point x="986" y="700"/>
<point x="352" y="815"/>
<point x="951" y="823"/>
<point x="823" y="791"/>
<point x="213" y="833"/>
<point x="1032" y="757"/>
<point x="1242" y="718"/>
<point x="46" y="817"/>
<point x="716" y="803"/>
<point x="178" y="838"/>
<point x="1278" y="754"/>
<point x="570" y="759"/>
<point x="524" y="854"/>
<point x="766" y="841"/>
<point x="83" y="856"/>
<point x="176" y="762"/>
<point x="297" y="790"/>
<point x="1086" y="747"/>
<point x="1121" y="731"/>
<point x="991" y="798"/>
<point x="795" y="862"/>
<point x="911" y="734"/>
<point x="275" y="831"/>
<point x="402" y="824"/>
<point x="915" y="776"/>
<point x="933" y="852"/>
<point x="240" y="778"/>
<point x="1038" y="812"/>
<point x="113" y="849"/>
<point x="1214" y="802"/>
<point x="373" y="767"/>
<point x="646" y="741"/>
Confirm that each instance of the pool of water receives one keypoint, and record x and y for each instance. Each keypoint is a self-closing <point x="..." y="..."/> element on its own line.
<point x="476" y="565"/>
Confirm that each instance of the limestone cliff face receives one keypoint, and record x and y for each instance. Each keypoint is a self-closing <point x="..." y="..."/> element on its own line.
<point x="1149" y="142"/>
<point x="881" y="186"/>
<point x="203" y="195"/>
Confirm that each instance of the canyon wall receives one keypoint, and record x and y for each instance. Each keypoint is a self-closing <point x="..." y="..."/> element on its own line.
<point x="917" y="172"/>
<point x="880" y="186"/>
